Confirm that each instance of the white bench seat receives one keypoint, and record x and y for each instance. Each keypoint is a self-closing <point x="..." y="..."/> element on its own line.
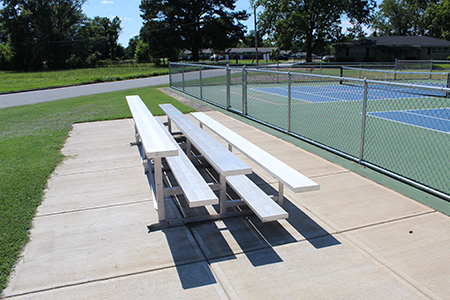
<point x="286" y="175"/>
<point x="262" y="205"/>
<point x="156" y="145"/>
<point x="153" y="139"/>
<point x="230" y="168"/>
<point x="195" y="189"/>
<point x="220" y="158"/>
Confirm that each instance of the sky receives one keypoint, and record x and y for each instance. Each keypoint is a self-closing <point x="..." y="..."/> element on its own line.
<point x="129" y="14"/>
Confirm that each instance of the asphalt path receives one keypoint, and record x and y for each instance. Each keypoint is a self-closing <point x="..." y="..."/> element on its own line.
<point x="33" y="97"/>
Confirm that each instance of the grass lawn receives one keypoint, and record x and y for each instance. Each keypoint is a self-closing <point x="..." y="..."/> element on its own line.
<point x="31" y="138"/>
<point x="18" y="81"/>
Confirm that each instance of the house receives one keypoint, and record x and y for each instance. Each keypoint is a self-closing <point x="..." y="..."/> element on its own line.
<point x="390" y="48"/>
<point x="236" y="53"/>
<point x="204" y="54"/>
<point x="248" y="53"/>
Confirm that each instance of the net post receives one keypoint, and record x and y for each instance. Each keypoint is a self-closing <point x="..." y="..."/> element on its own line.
<point x="289" y="103"/>
<point x="228" y="87"/>
<point x="363" y="121"/>
<point x="341" y="74"/>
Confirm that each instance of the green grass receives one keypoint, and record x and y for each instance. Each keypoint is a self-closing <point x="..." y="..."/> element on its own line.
<point x="18" y="81"/>
<point x="31" y="138"/>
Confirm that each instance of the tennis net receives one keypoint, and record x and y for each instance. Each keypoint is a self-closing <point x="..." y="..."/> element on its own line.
<point x="438" y="79"/>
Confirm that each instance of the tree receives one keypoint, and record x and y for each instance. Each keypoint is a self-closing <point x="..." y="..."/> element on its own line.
<point x="111" y="30"/>
<point x="310" y="23"/>
<point x="438" y="19"/>
<point x="162" y="41"/>
<point x="41" y="32"/>
<point x="131" y="49"/>
<point x="142" y="52"/>
<point x="401" y="17"/>
<point x="356" y="32"/>
<point x="193" y="25"/>
<point x="5" y="56"/>
<point x="249" y="40"/>
<point x="98" y="36"/>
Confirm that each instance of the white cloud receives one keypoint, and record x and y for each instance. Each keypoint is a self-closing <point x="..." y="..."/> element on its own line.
<point x="107" y="2"/>
<point x="128" y="19"/>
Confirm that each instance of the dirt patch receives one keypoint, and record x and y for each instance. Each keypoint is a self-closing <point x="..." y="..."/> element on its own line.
<point x="188" y="102"/>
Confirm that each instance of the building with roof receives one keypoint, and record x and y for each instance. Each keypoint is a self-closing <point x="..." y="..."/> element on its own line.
<point x="390" y="48"/>
<point x="237" y="53"/>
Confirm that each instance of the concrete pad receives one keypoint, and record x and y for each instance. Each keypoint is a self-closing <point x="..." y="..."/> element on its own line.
<point x="191" y="281"/>
<point x="90" y="238"/>
<point x="347" y="201"/>
<point x="75" y="248"/>
<point x="95" y="189"/>
<point x="418" y="249"/>
<point x="300" y="271"/>
<point x="92" y="159"/>
<point x="99" y="146"/>
<point x="107" y="134"/>
<point x="234" y="236"/>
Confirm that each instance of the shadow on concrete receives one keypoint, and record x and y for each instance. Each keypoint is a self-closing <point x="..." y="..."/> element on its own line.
<point x="191" y="266"/>
<point x="248" y="232"/>
<point x="276" y="234"/>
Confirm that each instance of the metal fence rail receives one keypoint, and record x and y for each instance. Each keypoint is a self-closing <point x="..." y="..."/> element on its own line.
<point x="399" y="129"/>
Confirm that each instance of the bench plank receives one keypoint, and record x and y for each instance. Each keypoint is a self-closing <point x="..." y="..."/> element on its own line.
<point x="225" y="162"/>
<point x="194" y="187"/>
<point x="293" y="179"/>
<point x="155" y="142"/>
<point x="262" y="205"/>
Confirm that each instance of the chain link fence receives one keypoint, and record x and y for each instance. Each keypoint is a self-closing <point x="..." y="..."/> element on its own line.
<point x="400" y="129"/>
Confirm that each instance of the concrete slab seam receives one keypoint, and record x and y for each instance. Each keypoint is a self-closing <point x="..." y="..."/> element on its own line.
<point x="389" y="221"/>
<point x="98" y="171"/>
<point x="99" y="280"/>
<point x="409" y="282"/>
<point x="93" y="208"/>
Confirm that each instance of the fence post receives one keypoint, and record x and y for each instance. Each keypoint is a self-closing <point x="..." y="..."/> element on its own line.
<point x="363" y="121"/>
<point x="395" y="69"/>
<point x="448" y="84"/>
<point x="228" y="87"/>
<point x="278" y="70"/>
<point x="201" y="84"/>
<point x="289" y="103"/>
<point x="182" y="75"/>
<point x="170" y="74"/>
<point x="431" y="67"/>
<point x="244" y="91"/>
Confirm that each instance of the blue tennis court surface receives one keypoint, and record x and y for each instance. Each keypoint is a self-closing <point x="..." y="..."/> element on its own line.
<point x="434" y="119"/>
<point x="340" y="93"/>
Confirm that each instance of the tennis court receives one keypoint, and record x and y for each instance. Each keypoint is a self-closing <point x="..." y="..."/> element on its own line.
<point x="434" y="119"/>
<point x="339" y="93"/>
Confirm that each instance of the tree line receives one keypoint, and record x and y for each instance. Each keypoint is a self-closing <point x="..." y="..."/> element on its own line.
<point x="55" y="34"/>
